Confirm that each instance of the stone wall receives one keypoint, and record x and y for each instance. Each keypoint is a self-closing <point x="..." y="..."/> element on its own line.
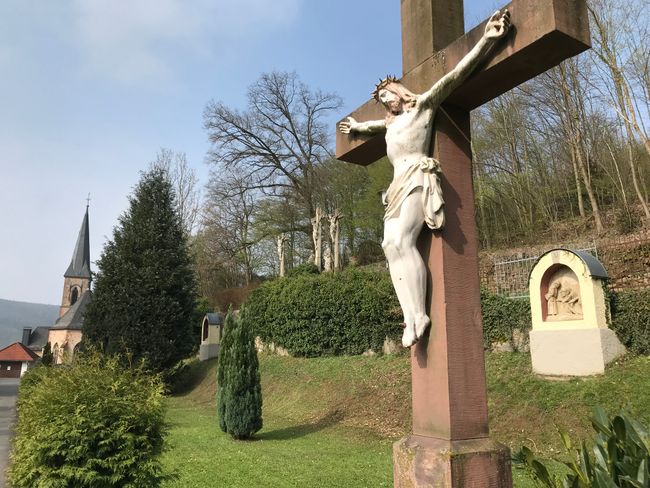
<point x="626" y="259"/>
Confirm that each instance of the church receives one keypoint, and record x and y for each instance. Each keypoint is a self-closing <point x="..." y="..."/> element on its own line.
<point x="65" y="335"/>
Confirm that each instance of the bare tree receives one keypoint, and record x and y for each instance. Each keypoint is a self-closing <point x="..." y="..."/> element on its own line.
<point x="278" y="141"/>
<point x="612" y="23"/>
<point x="185" y="183"/>
<point x="229" y="212"/>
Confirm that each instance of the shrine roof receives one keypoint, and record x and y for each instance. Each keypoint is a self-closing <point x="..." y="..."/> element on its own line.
<point x="594" y="266"/>
<point x="214" y="318"/>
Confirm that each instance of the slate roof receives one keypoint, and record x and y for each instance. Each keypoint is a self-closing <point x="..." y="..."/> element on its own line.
<point x="80" y="263"/>
<point x="73" y="319"/>
<point x="17" y="352"/>
<point x="214" y="318"/>
<point x="38" y="338"/>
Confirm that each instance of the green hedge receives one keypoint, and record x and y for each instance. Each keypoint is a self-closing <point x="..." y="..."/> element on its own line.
<point x="501" y="316"/>
<point x="631" y="319"/>
<point x="347" y="312"/>
<point x="92" y="424"/>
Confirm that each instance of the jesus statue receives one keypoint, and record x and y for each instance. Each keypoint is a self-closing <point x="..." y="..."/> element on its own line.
<point x="415" y="195"/>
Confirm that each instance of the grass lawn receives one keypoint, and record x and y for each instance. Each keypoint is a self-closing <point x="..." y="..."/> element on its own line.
<point x="331" y="422"/>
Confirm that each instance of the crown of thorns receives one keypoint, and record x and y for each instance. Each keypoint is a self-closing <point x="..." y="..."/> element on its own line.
<point x="383" y="84"/>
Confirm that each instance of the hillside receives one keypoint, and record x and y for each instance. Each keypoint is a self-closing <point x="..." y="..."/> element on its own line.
<point x="363" y="404"/>
<point x="14" y="316"/>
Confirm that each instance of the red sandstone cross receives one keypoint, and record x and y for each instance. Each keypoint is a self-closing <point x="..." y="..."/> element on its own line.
<point x="448" y="369"/>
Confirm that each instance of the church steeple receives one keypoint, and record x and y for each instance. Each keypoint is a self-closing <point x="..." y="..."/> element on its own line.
<point x="77" y="277"/>
<point x="80" y="263"/>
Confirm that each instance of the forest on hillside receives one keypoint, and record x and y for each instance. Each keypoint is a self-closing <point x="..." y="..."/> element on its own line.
<point x="564" y="154"/>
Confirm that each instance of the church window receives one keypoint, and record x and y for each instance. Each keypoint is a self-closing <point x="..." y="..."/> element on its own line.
<point x="74" y="295"/>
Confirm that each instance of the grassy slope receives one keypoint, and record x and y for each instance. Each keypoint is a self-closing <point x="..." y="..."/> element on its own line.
<point x="331" y="421"/>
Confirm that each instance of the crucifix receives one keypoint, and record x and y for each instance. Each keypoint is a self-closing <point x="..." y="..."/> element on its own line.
<point x="450" y="444"/>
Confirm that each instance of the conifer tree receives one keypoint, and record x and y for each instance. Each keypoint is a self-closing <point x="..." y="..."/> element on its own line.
<point x="239" y="394"/>
<point x="144" y="293"/>
<point x="47" y="358"/>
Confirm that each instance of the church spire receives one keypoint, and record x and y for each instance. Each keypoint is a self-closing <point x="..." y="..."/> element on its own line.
<point x="80" y="264"/>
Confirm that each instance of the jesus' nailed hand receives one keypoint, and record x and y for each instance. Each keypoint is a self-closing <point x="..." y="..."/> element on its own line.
<point x="415" y="196"/>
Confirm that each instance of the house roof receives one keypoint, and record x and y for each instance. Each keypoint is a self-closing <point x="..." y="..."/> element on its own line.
<point x="73" y="319"/>
<point x="17" y="352"/>
<point x="38" y="338"/>
<point x="80" y="263"/>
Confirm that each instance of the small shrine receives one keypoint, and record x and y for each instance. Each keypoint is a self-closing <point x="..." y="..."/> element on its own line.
<point x="570" y="315"/>
<point x="211" y="333"/>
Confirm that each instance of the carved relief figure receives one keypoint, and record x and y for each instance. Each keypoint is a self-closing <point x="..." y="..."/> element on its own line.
<point x="551" y="299"/>
<point x="563" y="297"/>
<point x="415" y="196"/>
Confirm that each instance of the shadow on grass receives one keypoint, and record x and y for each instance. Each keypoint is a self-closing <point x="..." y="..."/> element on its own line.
<point x="297" y="431"/>
<point x="188" y="375"/>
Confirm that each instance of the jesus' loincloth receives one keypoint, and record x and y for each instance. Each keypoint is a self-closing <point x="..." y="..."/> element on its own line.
<point x="424" y="174"/>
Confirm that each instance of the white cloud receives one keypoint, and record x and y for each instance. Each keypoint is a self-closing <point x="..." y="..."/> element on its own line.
<point x="136" y="41"/>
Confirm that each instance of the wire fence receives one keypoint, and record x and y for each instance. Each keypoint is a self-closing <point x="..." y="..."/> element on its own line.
<point x="511" y="276"/>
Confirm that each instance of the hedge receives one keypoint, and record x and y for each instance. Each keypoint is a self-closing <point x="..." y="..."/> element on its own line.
<point x="631" y="319"/>
<point x="355" y="310"/>
<point x="339" y="313"/>
<point x="502" y="315"/>
<point x="92" y="424"/>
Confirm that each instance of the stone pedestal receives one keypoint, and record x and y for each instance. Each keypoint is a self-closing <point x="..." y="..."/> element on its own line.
<point x="573" y="352"/>
<point x="420" y="462"/>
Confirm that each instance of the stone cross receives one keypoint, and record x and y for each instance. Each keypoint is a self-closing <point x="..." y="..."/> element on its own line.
<point x="450" y="444"/>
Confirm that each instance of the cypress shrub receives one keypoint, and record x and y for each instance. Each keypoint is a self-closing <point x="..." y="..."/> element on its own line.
<point x="631" y="319"/>
<point x="92" y="424"/>
<point x="239" y="394"/>
<point x="47" y="358"/>
<point x="347" y="312"/>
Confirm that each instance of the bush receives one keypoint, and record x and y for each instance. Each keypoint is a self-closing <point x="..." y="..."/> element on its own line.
<point x="92" y="424"/>
<point x="501" y="316"/>
<point x="620" y="457"/>
<point x="631" y="319"/>
<point x="303" y="269"/>
<point x="239" y="394"/>
<point x="328" y="314"/>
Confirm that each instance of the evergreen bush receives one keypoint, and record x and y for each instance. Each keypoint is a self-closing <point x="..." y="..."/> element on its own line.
<point x="239" y="394"/>
<point x="47" y="358"/>
<point x="346" y="312"/>
<point x="92" y="424"/>
<point x="145" y="292"/>
<point x="303" y="269"/>
<point x="631" y="319"/>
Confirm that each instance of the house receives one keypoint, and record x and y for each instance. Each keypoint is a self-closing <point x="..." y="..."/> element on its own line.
<point x="15" y="360"/>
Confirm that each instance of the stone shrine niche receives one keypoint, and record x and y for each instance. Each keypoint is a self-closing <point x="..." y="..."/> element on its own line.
<point x="570" y="313"/>
<point x="561" y="295"/>
<point x="211" y="334"/>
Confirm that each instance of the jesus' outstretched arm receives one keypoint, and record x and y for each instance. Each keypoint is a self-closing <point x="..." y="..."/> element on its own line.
<point x="350" y="125"/>
<point x="496" y="28"/>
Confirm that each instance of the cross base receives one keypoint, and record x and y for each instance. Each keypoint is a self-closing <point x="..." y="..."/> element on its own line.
<point x="420" y="462"/>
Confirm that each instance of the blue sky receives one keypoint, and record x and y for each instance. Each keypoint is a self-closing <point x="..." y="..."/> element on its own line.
<point x="90" y="90"/>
